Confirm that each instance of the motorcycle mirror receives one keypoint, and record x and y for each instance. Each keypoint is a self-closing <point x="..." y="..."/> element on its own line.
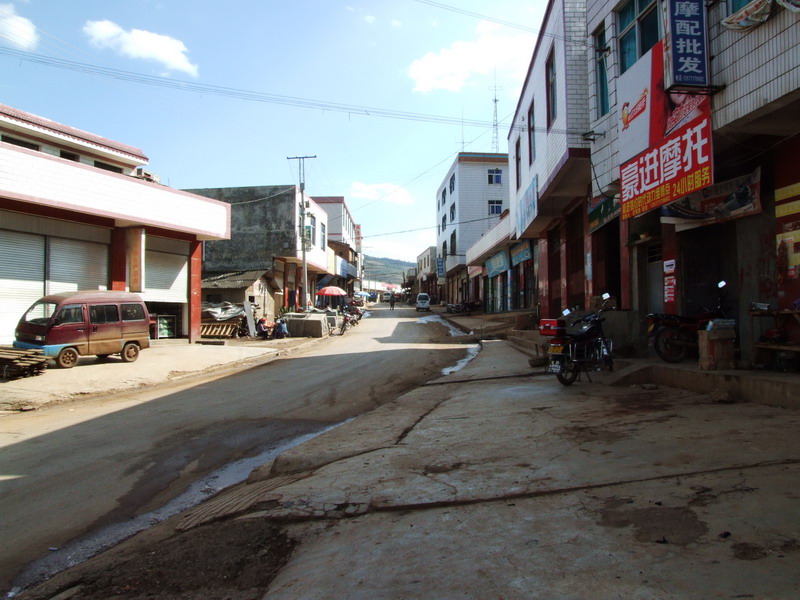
<point x="722" y="284"/>
<point x="606" y="296"/>
<point x="566" y="312"/>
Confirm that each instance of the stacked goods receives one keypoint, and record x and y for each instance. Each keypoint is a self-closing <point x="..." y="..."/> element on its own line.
<point x="21" y="363"/>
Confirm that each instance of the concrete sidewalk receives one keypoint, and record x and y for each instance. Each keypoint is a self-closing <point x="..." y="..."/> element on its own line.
<point x="493" y="483"/>
<point x="166" y="361"/>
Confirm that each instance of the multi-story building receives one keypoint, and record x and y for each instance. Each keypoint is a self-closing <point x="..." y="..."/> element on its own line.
<point x="344" y="237"/>
<point x="266" y="237"/>
<point x="426" y="273"/>
<point x="78" y="211"/>
<point x="535" y="256"/>
<point x="694" y="122"/>
<point x="473" y="195"/>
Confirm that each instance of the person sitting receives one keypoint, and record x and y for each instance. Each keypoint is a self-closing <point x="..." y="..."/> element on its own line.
<point x="264" y="329"/>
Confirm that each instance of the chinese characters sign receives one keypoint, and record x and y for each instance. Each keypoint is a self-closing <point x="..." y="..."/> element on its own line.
<point x="686" y="50"/>
<point x="679" y="165"/>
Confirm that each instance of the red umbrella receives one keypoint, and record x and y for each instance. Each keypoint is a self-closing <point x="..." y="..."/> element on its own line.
<point x="331" y="290"/>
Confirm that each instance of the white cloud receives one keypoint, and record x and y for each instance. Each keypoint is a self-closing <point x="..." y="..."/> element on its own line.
<point x="15" y="30"/>
<point x="396" y="23"/>
<point x="451" y="68"/>
<point x="388" y="193"/>
<point x="137" y="43"/>
<point x="370" y="19"/>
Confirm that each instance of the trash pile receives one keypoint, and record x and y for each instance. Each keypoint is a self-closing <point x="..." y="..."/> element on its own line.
<point x="223" y="320"/>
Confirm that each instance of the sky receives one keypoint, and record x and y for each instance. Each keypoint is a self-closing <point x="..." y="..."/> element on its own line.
<point x="383" y="93"/>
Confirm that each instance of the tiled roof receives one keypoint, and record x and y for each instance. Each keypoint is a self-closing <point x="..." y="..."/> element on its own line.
<point x="41" y="123"/>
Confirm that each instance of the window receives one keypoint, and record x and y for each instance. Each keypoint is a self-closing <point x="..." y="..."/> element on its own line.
<point x="453" y="243"/>
<point x="452" y="183"/>
<point x="444" y="223"/>
<point x="104" y="313"/>
<point x="69" y="155"/>
<point x="453" y="212"/>
<point x="601" y="70"/>
<point x="550" y="86"/>
<point x="638" y="24"/>
<point x="70" y="313"/>
<point x="312" y="229"/>
<point x="444" y="249"/>
<point x="444" y="195"/>
<point x="322" y="241"/>
<point x="518" y="163"/>
<point x="495" y="207"/>
<point x="495" y="176"/>
<point x="107" y="167"/>
<point x="132" y="312"/>
<point x="737" y="5"/>
<point x="17" y="142"/>
<point x="531" y="136"/>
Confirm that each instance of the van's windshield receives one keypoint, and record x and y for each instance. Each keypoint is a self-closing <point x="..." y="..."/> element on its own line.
<point x="40" y="313"/>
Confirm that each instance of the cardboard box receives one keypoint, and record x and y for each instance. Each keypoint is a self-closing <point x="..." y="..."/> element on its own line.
<point x="716" y="349"/>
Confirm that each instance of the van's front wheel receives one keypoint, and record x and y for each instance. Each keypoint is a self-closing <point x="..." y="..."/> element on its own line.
<point x="130" y="352"/>
<point x="67" y="358"/>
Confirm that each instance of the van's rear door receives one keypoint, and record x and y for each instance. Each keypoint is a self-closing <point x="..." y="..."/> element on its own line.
<point x="105" y="329"/>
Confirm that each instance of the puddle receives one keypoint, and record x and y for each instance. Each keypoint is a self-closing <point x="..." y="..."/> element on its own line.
<point x="453" y="331"/>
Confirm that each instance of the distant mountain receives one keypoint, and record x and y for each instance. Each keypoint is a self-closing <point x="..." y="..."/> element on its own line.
<point x="387" y="270"/>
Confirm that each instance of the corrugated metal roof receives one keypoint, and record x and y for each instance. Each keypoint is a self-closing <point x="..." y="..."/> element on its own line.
<point x="233" y="280"/>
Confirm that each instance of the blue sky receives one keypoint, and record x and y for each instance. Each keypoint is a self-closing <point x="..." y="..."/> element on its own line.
<point x="253" y="65"/>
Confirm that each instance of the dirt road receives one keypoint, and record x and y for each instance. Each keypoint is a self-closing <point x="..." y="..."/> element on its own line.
<point x="69" y="470"/>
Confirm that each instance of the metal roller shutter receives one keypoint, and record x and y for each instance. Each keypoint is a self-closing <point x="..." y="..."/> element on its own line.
<point x="77" y="265"/>
<point x="21" y="277"/>
<point x="166" y="277"/>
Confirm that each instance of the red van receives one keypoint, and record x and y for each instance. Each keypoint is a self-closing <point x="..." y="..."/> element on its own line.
<point x="75" y="324"/>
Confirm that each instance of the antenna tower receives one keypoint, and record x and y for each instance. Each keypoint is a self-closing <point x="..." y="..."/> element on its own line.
<point x="495" y="125"/>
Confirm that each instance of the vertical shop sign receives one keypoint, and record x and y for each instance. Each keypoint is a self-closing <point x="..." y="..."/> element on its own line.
<point x="527" y="208"/>
<point x="686" y="45"/>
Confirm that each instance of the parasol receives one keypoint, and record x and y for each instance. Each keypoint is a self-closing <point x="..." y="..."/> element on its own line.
<point x="331" y="290"/>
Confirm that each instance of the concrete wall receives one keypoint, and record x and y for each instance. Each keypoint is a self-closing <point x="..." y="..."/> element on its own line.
<point x="263" y="225"/>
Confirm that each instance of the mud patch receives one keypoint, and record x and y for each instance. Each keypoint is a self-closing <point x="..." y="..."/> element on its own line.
<point x="235" y="560"/>
<point x="587" y="433"/>
<point x="749" y="551"/>
<point x="441" y="468"/>
<point x="636" y="403"/>
<point x="654" y="524"/>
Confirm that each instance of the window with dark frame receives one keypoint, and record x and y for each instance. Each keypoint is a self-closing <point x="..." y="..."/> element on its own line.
<point x="453" y="243"/>
<point x="18" y="142"/>
<point x="107" y="167"/>
<point x="444" y="223"/>
<point x="637" y="22"/>
<point x="312" y="223"/>
<point x="518" y="163"/>
<point x="531" y="135"/>
<point x="444" y="195"/>
<point x="495" y="176"/>
<point x="495" y="207"/>
<point x="453" y="212"/>
<point x="601" y="70"/>
<point x="552" y="91"/>
<point x="69" y="155"/>
<point x="452" y="183"/>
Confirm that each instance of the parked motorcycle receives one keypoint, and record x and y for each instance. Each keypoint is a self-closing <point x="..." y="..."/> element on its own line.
<point x="674" y="335"/>
<point x="347" y="322"/>
<point x="580" y="346"/>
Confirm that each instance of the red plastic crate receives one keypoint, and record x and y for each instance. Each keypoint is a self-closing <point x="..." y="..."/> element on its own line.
<point x="552" y="326"/>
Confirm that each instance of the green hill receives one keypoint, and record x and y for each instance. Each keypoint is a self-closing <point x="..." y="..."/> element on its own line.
<point x="387" y="270"/>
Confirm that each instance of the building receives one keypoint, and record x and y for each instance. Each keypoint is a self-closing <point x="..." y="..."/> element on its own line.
<point x="696" y="180"/>
<point x="344" y="238"/>
<point x="79" y="211"/>
<point x="469" y="202"/>
<point x="266" y="225"/>
<point x="534" y="257"/>
<point x="426" y="273"/>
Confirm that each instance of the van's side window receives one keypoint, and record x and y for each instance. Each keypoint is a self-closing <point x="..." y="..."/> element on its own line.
<point x="132" y="312"/>
<point x="104" y="313"/>
<point x="70" y="313"/>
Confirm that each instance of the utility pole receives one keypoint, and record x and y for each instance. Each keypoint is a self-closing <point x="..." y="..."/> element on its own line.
<point x="301" y="171"/>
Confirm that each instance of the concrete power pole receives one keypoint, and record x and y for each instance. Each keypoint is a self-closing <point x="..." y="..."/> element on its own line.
<point x="301" y="170"/>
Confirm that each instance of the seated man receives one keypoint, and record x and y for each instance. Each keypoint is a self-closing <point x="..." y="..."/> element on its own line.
<point x="264" y="328"/>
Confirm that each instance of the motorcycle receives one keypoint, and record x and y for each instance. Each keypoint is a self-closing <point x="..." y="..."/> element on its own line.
<point x="674" y="335"/>
<point x="584" y="348"/>
<point x="347" y="322"/>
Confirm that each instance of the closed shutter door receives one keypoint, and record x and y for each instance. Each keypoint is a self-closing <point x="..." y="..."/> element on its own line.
<point x="166" y="277"/>
<point x="21" y="278"/>
<point x="77" y="265"/>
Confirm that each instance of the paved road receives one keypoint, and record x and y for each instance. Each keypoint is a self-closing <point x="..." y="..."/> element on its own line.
<point x="69" y="470"/>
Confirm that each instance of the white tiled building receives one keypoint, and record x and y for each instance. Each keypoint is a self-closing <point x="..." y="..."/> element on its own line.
<point x="470" y="200"/>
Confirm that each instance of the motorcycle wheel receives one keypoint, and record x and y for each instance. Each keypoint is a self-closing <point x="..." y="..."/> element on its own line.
<point x="568" y="374"/>
<point x="668" y="345"/>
